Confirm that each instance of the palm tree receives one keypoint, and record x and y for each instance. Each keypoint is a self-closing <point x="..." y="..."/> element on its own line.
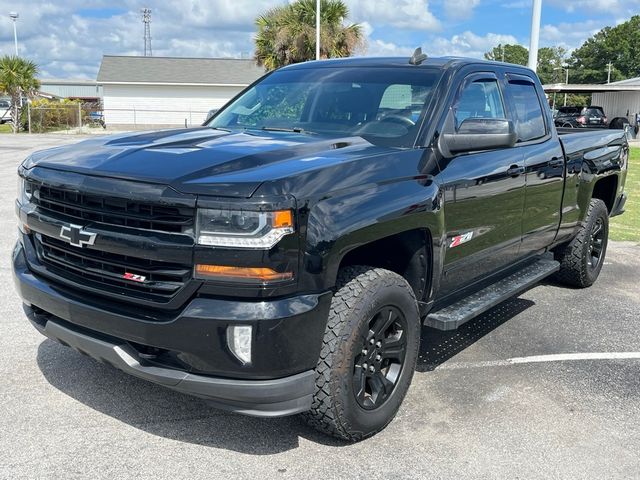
<point x="17" y="78"/>
<point x="287" y="34"/>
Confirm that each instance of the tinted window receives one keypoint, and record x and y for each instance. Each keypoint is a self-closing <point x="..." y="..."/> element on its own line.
<point x="480" y="99"/>
<point x="594" y="112"/>
<point x="4" y="104"/>
<point x="382" y="105"/>
<point x="570" y="110"/>
<point x="528" y="111"/>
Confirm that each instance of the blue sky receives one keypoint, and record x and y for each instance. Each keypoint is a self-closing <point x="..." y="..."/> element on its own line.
<point x="67" y="38"/>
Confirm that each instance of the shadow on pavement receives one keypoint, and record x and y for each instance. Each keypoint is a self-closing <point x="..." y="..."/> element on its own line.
<point x="436" y="346"/>
<point x="165" y="413"/>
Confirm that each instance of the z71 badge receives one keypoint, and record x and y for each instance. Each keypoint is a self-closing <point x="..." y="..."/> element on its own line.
<point x="460" y="239"/>
<point x="134" y="277"/>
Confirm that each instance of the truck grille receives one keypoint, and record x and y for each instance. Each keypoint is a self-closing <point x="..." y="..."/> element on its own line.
<point x="105" y="271"/>
<point x="84" y="207"/>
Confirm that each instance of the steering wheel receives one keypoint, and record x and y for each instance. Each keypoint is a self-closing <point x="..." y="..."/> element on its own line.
<point x="407" y="122"/>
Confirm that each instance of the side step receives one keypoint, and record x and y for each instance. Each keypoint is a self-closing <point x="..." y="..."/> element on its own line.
<point x="452" y="316"/>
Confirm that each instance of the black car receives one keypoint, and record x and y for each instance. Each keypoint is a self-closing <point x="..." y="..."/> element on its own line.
<point x="576" y="117"/>
<point x="283" y="258"/>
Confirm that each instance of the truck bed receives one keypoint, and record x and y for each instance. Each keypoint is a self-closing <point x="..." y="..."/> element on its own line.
<point x="590" y="139"/>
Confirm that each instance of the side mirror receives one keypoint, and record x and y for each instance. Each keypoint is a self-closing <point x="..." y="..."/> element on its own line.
<point x="477" y="134"/>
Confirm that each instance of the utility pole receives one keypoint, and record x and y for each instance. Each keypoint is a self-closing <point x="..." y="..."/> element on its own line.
<point x="14" y="16"/>
<point x="146" y="20"/>
<point x="609" y="72"/>
<point x="317" y="29"/>
<point x="567" y="83"/>
<point x="535" y="34"/>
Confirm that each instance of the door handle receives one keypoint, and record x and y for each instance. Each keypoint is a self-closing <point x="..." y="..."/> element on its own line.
<point x="556" y="162"/>
<point x="515" y="170"/>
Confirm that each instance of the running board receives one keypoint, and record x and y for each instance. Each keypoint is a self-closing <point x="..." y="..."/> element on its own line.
<point x="452" y="316"/>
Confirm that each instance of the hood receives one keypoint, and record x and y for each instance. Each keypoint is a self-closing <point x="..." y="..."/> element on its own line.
<point x="202" y="160"/>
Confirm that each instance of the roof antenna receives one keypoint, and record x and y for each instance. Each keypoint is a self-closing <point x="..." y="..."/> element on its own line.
<point x="418" y="57"/>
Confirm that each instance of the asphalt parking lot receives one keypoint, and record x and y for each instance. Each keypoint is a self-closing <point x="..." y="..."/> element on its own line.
<point x="546" y="385"/>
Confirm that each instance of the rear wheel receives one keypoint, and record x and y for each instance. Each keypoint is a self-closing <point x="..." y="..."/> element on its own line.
<point x="581" y="259"/>
<point x="368" y="355"/>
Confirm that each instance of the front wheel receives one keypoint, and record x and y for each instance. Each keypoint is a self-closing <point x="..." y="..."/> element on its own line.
<point x="581" y="259"/>
<point x="368" y="356"/>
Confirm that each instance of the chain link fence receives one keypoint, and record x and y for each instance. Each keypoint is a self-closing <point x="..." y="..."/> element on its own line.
<point x="93" y="118"/>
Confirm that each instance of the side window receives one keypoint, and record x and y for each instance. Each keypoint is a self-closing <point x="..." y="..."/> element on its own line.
<point x="404" y="100"/>
<point x="479" y="99"/>
<point x="528" y="111"/>
<point x="396" y="97"/>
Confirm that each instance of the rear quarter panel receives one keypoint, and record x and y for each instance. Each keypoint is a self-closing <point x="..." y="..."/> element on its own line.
<point x="590" y="156"/>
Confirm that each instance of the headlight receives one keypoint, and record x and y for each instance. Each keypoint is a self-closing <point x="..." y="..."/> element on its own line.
<point x="24" y="191"/>
<point x="243" y="229"/>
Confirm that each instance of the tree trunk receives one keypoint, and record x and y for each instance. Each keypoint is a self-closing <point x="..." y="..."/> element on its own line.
<point x="15" y="112"/>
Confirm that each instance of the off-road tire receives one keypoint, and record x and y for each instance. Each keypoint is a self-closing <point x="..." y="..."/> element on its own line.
<point x="361" y="292"/>
<point x="575" y="269"/>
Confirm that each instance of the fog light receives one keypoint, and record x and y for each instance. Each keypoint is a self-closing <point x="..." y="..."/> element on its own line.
<point x="239" y="342"/>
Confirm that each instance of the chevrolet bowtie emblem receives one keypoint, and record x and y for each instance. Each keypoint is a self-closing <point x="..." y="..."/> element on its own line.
<point x="76" y="236"/>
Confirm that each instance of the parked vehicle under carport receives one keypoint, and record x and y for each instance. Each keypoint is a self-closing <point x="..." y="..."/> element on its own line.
<point x="580" y="117"/>
<point x="5" y="112"/>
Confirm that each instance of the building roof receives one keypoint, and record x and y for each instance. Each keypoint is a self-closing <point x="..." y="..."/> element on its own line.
<point x="591" y="88"/>
<point x="628" y="81"/>
<point x="178" y="71"/>
<point x="70" y="88"/>
<point x="67" y="81"/>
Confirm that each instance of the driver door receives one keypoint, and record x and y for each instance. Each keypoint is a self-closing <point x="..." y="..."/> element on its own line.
<point x="484" y="192"/>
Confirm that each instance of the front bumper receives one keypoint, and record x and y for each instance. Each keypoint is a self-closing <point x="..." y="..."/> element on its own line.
<point x="286" y="345"/>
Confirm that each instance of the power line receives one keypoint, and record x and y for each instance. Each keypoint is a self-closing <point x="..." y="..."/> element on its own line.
<point x="146" y="20"/>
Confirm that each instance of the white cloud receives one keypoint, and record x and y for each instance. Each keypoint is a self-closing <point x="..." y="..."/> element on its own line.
<point x="569" y="35"/>
<point x="406" y="14"/>
<point x="609" y="6"/>
<point x="380" y="48"/>
<point x="468" y="44"/>
<point x="66" y="44"/>
<point x="460" y="9"/>
<point x="517" y="4"/>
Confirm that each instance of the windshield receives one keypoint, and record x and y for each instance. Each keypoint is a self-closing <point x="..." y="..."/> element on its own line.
<point x="383" y="105"/>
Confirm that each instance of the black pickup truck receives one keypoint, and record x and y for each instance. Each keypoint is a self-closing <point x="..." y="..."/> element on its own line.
<point x="283" y="258"/>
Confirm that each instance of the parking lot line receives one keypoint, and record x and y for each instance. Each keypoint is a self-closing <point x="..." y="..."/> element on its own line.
<point x="557" y="357"/>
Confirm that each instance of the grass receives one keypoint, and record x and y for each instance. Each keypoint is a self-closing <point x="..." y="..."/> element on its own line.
<point x="5" y="128"/>
<point x="627" y="225"/>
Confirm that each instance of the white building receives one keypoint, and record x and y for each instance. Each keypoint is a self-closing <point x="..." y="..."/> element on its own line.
<point x="81" y="89"/>
<point x="617" y="99"/>
<point x="157" y="91"/>
<point x="622" y="103"/>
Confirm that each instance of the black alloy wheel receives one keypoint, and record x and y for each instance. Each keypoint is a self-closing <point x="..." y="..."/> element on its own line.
<point x="377" y="368"/>
<point x="596" y="244"/>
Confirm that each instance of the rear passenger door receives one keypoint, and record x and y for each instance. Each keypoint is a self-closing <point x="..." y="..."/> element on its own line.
<point x="543" y="161"/>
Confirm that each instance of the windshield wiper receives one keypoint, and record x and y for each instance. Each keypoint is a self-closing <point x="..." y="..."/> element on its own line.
<point x="284" y="129"/>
